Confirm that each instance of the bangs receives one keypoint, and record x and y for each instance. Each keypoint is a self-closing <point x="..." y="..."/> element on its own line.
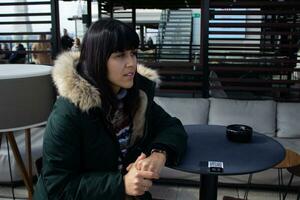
<point x="124" y="38"/>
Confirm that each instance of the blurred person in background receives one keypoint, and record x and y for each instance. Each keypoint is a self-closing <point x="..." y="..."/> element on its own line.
<point x="42" y="57"/>
<point x="76" y="45"/>
<point x="19" y="55"/>
<point x="66" y="41"/>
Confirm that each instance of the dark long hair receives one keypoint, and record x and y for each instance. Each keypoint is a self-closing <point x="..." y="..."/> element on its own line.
<point x="103" y="38"/>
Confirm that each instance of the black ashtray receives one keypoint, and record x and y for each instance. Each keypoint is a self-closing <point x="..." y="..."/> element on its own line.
<point x="239" y="133"/>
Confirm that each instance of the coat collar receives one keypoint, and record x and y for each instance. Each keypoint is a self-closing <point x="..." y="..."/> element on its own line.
<point x="75" y="88"/>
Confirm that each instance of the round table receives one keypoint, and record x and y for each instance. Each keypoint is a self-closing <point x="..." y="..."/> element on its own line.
<point x="27" y="97"/>
<point x="209" y="143"/>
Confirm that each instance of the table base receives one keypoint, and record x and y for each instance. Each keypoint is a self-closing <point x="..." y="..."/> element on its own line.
<point x="208" y="187"/>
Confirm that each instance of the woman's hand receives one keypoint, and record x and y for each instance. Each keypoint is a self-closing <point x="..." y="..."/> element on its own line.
<point x="138" y="181"/>
<point x="153" y="163"/>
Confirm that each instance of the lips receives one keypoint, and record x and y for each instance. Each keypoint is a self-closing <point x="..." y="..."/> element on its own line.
<point x="130" y="74"/>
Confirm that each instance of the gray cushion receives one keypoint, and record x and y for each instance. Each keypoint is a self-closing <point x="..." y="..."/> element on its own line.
<point x="290" y="143"/>
<point x="259" y="114"/>
<point x="188" y="110"/>
<point x="288" y="116"/>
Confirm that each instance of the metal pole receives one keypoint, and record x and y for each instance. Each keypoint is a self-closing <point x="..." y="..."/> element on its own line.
<point x="111" y="9"/>
<point x="55" y="29"/>
<point x="142" y="36"/>
<point x="99" y="9"/>
<point x="133" y="17"/>
<point x="204" y="46"/>
<point x="89" y="13"/>
<point x="75" y="27"/>
<point x="208" y="187"/>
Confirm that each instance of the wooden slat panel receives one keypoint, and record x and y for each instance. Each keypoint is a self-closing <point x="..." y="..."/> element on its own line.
<point x="255" y="4"/>
<point x="254" y="12"/>
<point x="254" y="25"/>
<point x="25" y="3"/>
<point x="25" y="22"/>
<point x="296" y="33"/>
<point x="240" y="88"/>
<point x="24" y="14"/>
<point x="253" y="69"/>
<point x="247" y="80"/>
<point x="25" y="33"/>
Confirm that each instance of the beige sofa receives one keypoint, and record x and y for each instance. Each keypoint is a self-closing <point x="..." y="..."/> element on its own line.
<point x="276" y="119"/>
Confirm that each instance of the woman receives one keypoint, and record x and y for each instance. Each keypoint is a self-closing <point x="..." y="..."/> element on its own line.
<point x="76" y="45"/>
<point x="41" y="57"/>
<point x="106" y="138"/>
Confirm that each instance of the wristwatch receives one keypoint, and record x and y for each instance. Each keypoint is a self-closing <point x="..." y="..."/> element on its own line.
<point x="159" y="151"/>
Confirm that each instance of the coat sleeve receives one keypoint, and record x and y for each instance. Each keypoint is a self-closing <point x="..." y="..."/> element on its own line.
<point x="61" y="166"/>
<point x="167" y="131"/>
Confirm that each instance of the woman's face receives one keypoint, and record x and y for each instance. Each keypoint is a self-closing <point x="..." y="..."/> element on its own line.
<point x="121" y="68"/>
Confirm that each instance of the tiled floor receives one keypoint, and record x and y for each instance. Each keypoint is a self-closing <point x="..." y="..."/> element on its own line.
<point x="7" y="192"/>
<point x="192" y="193"/>
<point x="175" y="193"/>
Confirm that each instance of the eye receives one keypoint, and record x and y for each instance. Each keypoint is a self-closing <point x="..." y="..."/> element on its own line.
<point x="120" y="54"/>
<point x="133" y="53"/>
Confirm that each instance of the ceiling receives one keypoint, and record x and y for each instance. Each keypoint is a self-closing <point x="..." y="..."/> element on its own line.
<point x="173" y="4"/>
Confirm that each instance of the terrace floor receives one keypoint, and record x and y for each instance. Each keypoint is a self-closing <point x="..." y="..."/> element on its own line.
<point x="164" y="192"/>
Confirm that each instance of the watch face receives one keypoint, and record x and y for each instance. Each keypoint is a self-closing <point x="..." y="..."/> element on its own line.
<point x="158" y="151"/>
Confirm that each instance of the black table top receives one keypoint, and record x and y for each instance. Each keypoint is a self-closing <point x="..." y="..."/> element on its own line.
<point x="209" y="143"/>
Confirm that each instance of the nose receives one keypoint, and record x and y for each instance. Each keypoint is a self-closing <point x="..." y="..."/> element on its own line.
<point x="130" y="60"/>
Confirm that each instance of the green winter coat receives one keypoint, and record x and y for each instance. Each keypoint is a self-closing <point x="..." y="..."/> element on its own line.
<point x="80" y="156"/>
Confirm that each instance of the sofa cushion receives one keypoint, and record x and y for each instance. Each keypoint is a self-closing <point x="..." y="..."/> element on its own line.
<point x="288" y="115"/>
<point x="290" y="143"/>
<point x="259" y="114"/>
<point x="188" y="110"/>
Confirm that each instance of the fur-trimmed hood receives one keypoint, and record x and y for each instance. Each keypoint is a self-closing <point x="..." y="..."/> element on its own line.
<point x="75" y="88"/>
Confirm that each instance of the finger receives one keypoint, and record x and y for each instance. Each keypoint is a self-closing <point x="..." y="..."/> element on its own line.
<point x="147" y="175"/>
<point x="138" y="161"/>
<point x="129" y="166"/>
<point x="153" y="169"/>
<point x="141" y="157"/>
<point x="143" y="164"/>
<point x="139" y="165"/>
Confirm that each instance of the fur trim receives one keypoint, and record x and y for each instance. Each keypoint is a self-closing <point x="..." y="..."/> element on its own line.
<point x="139" y="119"/>
<point x="79" y="91"/>
<point x="149" y="73"/>
<point x="71" y="85"/>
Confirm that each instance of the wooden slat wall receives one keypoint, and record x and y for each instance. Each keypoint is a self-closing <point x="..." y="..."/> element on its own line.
<point x="181" y="79"/>
<point x="253" y="48"/>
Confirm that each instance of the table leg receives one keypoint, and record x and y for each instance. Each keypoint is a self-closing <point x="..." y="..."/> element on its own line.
<point x="20" y="163"/>
<point x="29" y="158"/>
<point x="0" y="139"/>
<point x="208" y="187"/>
